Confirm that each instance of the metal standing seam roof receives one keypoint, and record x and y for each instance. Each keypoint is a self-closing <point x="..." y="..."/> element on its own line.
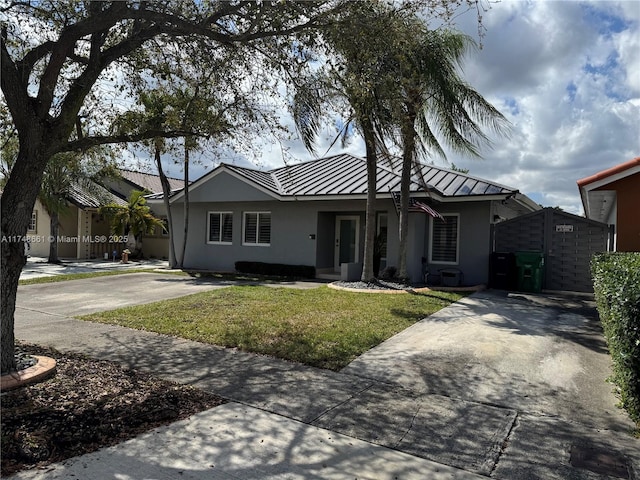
<point x="97" y="195"/>
<point x="347" y="175"/>
<point x="149" y="181"/>
<point x="94" y="198"/>
<point x="262" y="178"/>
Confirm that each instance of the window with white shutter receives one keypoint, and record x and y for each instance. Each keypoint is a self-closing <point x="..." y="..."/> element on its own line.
<point x="33" y="223"/>
<point x="220" y="228"/>
<point x="257" y="228"/>
<point x="443" y="247"/>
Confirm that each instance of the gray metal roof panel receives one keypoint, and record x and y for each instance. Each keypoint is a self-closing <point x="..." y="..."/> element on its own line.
<point x="494" y="189"/>
<point x="346" y="174"/>
<point x="334" y="175"/>
<point x="150" y="181"/>
<point x="260" y="177"/>
<point x="454" y="186"/>
<point x="92" y="197"/>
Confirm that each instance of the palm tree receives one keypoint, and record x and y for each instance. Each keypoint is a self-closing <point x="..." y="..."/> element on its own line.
<point x="435" y="105"/>
<point x="64" y="173"/>
<point x="135" y="219"/>
<point x="397" y="76"/>
<point x="359" y="77"/>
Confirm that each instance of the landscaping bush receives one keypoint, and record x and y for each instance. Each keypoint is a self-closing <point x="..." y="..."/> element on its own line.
<point x="388" y="273"/>
<point x="616" y="281"/>
<point x="276" y="269"/>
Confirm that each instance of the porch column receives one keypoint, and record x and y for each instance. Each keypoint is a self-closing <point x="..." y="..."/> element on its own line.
<point x="417" y="244"/>
<point x="84" y="234"/>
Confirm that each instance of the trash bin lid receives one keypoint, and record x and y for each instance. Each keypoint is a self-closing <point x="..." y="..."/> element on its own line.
<point x="529" y="258"/>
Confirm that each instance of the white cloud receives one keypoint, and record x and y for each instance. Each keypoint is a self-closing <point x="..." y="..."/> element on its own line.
<point x="628" y="45"/>
<point x="565" y="73"/>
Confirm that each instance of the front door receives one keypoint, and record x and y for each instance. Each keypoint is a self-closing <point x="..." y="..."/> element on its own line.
<point x="347" y="243"/>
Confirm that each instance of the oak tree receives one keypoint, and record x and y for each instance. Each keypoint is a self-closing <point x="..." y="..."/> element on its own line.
<point x="65" y="73"/>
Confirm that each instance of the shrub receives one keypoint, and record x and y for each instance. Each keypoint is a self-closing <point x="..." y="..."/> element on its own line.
<point x="616" y="281"/>
<point x="276" y="269"/>
<point x="388" y="273"/>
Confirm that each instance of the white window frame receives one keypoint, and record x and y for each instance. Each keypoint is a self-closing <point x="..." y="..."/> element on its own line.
<point x="244" y="229"/>
<point x="220" y="214"/>
<point x="431" y="224"/>
<point x="33" y="221"/>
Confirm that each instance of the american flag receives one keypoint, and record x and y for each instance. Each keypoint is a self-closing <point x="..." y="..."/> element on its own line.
<point x="415" y="205"/>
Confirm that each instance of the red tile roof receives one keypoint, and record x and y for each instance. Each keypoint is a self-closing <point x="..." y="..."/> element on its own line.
<point x="609" y="172"/>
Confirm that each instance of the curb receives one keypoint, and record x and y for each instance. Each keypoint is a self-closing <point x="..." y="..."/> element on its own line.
<point x="474" y="288"/>
<point x="43" y="369"/>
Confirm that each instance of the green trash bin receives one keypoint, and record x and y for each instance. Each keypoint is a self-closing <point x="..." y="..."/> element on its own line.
<point x="529" y="267"/>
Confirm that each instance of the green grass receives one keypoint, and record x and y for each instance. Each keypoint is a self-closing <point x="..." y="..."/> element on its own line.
<point x="78" y="276"/>
<point x="320" y="327"/>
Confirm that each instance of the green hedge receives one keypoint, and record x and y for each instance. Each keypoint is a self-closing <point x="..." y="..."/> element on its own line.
<point x="616" y="282"/>
<point x="276" y="269"/>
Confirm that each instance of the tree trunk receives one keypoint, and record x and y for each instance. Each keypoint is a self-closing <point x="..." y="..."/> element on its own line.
<point x="409" y="146"/>
<point x="18" y="198"/>
<point x="166" y="191"/>
<point x="138" y="253"/>
<point x="54" y="225"/>
<point x="13" y="259"/>
<point x="370" y="220"/>
<point x="186" y="204"/>
<point x="404" y="220"/>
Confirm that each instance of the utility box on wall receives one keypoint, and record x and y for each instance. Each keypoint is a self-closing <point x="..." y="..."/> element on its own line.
<point x="450" y="277"/>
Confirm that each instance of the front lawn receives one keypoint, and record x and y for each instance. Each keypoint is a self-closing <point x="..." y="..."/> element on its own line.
<point x="320" y="327"/>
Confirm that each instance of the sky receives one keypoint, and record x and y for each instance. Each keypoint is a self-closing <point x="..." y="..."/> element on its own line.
<point x="566" y="74"/>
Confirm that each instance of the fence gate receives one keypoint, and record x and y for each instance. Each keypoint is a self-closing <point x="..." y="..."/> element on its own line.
<point x="567" y="242"/>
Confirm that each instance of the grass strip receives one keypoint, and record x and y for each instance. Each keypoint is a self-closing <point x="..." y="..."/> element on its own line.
<point x="320" y="327"/>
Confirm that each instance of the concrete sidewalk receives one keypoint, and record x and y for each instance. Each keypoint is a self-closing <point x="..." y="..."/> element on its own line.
<point x="237" y="442"/>
<point x="309" y="423"/>
<point x="38" y="267"/>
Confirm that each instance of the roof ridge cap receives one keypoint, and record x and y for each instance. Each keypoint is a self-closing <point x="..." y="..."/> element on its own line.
<point x="279" y="186"/>
<point x="469" y="176"/>
<point x="232" y="166"/>
<point x="608" y="172"/>
<point x="313" y="160"/>
<point x="145" y="173"/>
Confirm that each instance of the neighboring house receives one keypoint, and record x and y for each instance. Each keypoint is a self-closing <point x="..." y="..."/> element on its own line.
<point x="132" y="180"/>
<point x="612" y="196"/>
<point x="83" y="232"/>
<point x="81" y="227"/>
<point x="313" y="213"/>
<point x="155" y="245"/>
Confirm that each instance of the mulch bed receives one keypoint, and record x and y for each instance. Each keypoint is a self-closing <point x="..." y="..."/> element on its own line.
<point x="89" y="404"/>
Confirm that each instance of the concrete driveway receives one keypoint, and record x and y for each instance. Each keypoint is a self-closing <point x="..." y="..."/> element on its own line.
<point x="99" y="294"/>
<point x="541" y="355"/>
<point x="536" y="353"/>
